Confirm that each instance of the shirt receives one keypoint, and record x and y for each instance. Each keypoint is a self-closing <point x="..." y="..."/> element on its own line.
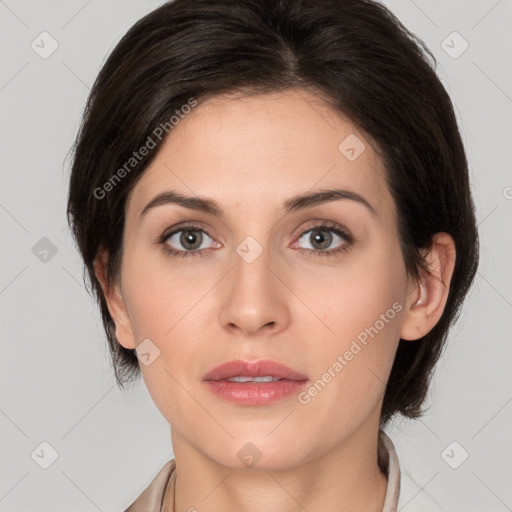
<point x="414" y="499"/>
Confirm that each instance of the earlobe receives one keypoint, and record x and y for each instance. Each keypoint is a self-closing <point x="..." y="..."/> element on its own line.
<point x="428" y="296"/>
<point x="115" y="302"/>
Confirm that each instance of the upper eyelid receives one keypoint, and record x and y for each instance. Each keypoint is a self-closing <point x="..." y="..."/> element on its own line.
<point x="190" y="225"/>
<point x="311" y="225"/>
<point x="323" y="224"/>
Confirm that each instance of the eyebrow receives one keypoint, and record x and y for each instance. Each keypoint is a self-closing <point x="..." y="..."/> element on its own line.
<point x="295" y="203"/>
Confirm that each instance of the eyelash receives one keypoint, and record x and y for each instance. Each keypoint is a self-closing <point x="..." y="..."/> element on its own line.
<point x="320" y="226"/>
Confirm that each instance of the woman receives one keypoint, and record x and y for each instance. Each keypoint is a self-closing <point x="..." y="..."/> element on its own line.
<point x="272" y="203"/>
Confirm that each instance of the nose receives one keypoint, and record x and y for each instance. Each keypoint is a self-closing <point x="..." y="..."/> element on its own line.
<point x="254" y="300"/>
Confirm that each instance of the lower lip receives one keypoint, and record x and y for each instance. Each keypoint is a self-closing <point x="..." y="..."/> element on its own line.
<point x="255" y="393"/>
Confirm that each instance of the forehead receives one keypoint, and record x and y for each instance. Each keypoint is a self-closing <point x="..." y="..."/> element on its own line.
<point x="264" y="148"/>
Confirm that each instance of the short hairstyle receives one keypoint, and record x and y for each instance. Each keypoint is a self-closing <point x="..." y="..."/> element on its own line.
<point x="353" y="54"/>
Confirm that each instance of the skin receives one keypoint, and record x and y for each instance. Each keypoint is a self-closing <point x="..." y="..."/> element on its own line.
<point x="300" y="308"/>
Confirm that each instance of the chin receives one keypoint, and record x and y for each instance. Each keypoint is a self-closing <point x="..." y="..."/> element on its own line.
<point x="261" y="455"/>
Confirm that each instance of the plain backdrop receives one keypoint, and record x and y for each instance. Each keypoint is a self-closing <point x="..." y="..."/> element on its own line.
<point x="104" y="446"/>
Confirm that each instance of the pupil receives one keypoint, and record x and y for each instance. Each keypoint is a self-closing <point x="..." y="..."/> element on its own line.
<point x="319" y="240"/>
<point x="190" y="239"/>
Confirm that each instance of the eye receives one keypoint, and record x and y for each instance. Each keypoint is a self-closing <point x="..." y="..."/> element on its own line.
<point x="187" y="240"/>
<point x="321" y="239"/>
<point x="324" y="239"/>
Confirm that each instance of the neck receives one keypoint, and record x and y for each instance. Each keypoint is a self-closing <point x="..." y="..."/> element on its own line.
<point x="345" y="478"/>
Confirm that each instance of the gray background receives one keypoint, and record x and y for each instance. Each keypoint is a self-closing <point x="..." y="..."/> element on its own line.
<point x="57" y="385"/>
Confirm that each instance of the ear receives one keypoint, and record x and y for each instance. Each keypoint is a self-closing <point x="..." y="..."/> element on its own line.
<point x="115" y="302"/>
<point x="427" y="297"/>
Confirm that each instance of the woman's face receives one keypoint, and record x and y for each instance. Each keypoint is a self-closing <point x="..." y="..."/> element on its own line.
<point x="257" y="282"/>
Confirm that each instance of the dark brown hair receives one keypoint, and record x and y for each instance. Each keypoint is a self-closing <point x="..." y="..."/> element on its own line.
<point x="357" y="57"/>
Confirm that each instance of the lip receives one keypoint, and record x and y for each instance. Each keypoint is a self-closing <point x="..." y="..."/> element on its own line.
<point x="254" y="393"/>
<point x="260" y="368"/>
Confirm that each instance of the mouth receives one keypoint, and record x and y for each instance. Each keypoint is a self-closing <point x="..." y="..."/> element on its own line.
<point x="254" y="383"/>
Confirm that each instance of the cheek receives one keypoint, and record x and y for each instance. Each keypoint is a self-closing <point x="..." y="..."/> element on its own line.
<point x="352" y="296"/>
<point x="359" y="309"/>
<point x="167" y="306"/>
<point x="161" y="297"/>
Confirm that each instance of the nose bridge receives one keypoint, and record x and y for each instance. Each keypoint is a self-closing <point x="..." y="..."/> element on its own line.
<point x="252" y="300"/>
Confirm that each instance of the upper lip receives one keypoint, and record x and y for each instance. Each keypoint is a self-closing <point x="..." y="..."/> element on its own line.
<point x="261" y="368"/>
